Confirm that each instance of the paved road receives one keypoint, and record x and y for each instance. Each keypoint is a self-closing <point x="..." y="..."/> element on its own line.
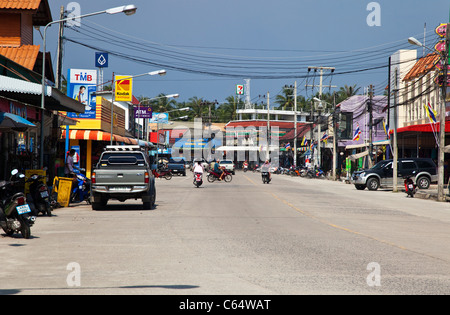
<point x="294" y="236"/>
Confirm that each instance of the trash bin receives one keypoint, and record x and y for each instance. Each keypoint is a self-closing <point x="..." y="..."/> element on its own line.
<point x="62" y="186"/>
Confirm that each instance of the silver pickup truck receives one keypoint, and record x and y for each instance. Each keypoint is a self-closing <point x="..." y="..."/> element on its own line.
<point x="123" y="172"/>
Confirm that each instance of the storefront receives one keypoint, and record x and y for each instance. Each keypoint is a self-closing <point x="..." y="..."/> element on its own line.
<point x="92" y="136"/>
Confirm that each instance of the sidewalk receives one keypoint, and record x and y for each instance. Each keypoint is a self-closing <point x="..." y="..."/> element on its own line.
<point x="431" y="193"/>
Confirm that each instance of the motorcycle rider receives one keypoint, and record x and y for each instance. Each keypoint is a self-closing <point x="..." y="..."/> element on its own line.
<point x="218" y="170"/>
<point x="266" y="168"/>
<point x="198" y="168"/>
<point x="245" y="166"/>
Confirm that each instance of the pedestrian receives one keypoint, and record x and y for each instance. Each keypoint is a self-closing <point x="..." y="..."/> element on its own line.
<point x="70" y="166"/>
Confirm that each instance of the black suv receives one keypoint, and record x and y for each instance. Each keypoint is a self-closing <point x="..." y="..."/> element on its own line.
<point x="422" y="171"/>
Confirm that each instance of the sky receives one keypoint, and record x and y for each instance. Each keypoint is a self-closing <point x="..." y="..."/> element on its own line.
<point x="210" y="46"/>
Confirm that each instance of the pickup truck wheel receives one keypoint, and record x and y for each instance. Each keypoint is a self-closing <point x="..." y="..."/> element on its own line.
<point x="96" y="206"/>
<point x="373" y="184"/>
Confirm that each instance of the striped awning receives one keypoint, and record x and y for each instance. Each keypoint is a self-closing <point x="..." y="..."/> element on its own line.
<point x="96" y="135"/>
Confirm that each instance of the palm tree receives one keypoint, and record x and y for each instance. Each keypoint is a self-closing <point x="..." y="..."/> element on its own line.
<point x="162" y="104"/>
<point x="347" y="91"/>
<point x="197" y="109"/>
<point x="227" y="111"/>
<point x="285" y="100"/>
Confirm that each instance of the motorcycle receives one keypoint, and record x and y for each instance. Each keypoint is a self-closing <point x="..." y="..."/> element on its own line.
<point x="198" y="179"/>
<point x="14" y="211"/>
<point x="320" y="173"/>
<point x="410" y="188"/>
<point x="163" y="173"/>
<point x="82" y="190"/>
<point x="40" y="198"/>
<point x="265" y="177"/>
<point x="212" y="176"/>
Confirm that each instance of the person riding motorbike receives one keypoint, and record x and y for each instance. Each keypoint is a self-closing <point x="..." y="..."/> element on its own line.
<point x="198" y="168"/>
<point x="218" y="170"/>
<point x="245" y="166"/>
<point x="266" y="168"/>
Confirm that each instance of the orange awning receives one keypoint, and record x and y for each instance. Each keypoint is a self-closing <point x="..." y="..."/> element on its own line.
<point x="96" y="135"/>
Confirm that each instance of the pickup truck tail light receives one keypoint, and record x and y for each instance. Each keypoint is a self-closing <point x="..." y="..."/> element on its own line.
<point x="147" y="177"/>
<point x="93" y="181"/>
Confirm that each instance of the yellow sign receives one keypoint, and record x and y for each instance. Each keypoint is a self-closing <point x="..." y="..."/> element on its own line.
<point x="124" y="88"/>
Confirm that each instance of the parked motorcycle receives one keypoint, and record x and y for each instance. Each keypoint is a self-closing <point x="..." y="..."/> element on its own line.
<point x="212" y="176"/>
<point x="14" y="211"/>
<point x="82" y="190"/>
<point x="410" y="188"/>
<point x="198" y="179"/>
<point x="163" y="173"/>
<point x="40" y="197"/>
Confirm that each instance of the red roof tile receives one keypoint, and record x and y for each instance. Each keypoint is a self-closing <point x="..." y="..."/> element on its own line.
<point x="423" y="66"/>
<point x="25" y="55"/>
<point x="20" y="4"/>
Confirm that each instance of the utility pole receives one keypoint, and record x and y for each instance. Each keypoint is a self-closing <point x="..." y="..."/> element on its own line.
<point x="321" y="87"/>
<point x="395" y="153"/>
<point x="295" y="124"/>
<point x="60" y="49"/>
<point x="441" y="157"/>
<point x="370" y="110"/>
<point x="268" y="126"/>
<point x="335" y="153"/>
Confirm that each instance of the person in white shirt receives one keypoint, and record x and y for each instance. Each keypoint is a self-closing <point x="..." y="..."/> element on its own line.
<point x="198" y="168"/>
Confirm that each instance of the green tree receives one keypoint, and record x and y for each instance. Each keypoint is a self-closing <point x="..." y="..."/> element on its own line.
<point x="285" y="100"/>
<point x="227" y="111"/>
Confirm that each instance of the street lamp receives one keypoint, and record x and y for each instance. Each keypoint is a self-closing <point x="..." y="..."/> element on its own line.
<point x="441" y="148"/>
<point x="152" y="99"/>
<point x="127" y="9"/>
<point x="158" y="72"/>
<point x="157" y="128"/>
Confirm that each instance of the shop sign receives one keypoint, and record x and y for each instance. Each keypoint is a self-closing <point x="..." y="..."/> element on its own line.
<point x="144" y="112"/>
<point x="124" y="88"/>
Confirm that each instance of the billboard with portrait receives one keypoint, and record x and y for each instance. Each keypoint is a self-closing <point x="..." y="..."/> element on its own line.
<point x="82" y="86"/>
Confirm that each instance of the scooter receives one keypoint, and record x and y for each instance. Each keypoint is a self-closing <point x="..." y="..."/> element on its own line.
<point x="198" y="179"/>
<point x="163" y="173"/>
<point x="40" y="198"/>
<point x="410" y="188"/>
<point x="265" y="177"/>
<point x="82" y="190"/>
<point x="14" y="211"/>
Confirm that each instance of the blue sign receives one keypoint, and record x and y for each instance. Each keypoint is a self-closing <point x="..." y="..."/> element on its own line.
<point x="101" y="60"/>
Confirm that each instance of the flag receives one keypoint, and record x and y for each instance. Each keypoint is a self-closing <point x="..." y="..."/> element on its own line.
<point x="431" y="113"/>
<point x="303" y="141"/>
<point x="387" y="131"/>
<point x="357" y="134"/>
<point x="287" y="146"/>
<point x="325" y="138"/>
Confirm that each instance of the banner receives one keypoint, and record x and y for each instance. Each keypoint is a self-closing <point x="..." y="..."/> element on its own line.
<point x="82" y="86"/>
<point x="124" y="88"/>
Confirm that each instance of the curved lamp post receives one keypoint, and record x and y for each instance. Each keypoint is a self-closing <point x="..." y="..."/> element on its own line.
<point x="126" y="9"/>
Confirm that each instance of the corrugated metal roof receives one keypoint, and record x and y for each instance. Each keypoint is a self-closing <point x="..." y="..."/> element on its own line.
<point x="20" y="4"/>
<point x="25" y="56"/>
<point x="423" y="66"/>
<point x="8" y="84"/>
